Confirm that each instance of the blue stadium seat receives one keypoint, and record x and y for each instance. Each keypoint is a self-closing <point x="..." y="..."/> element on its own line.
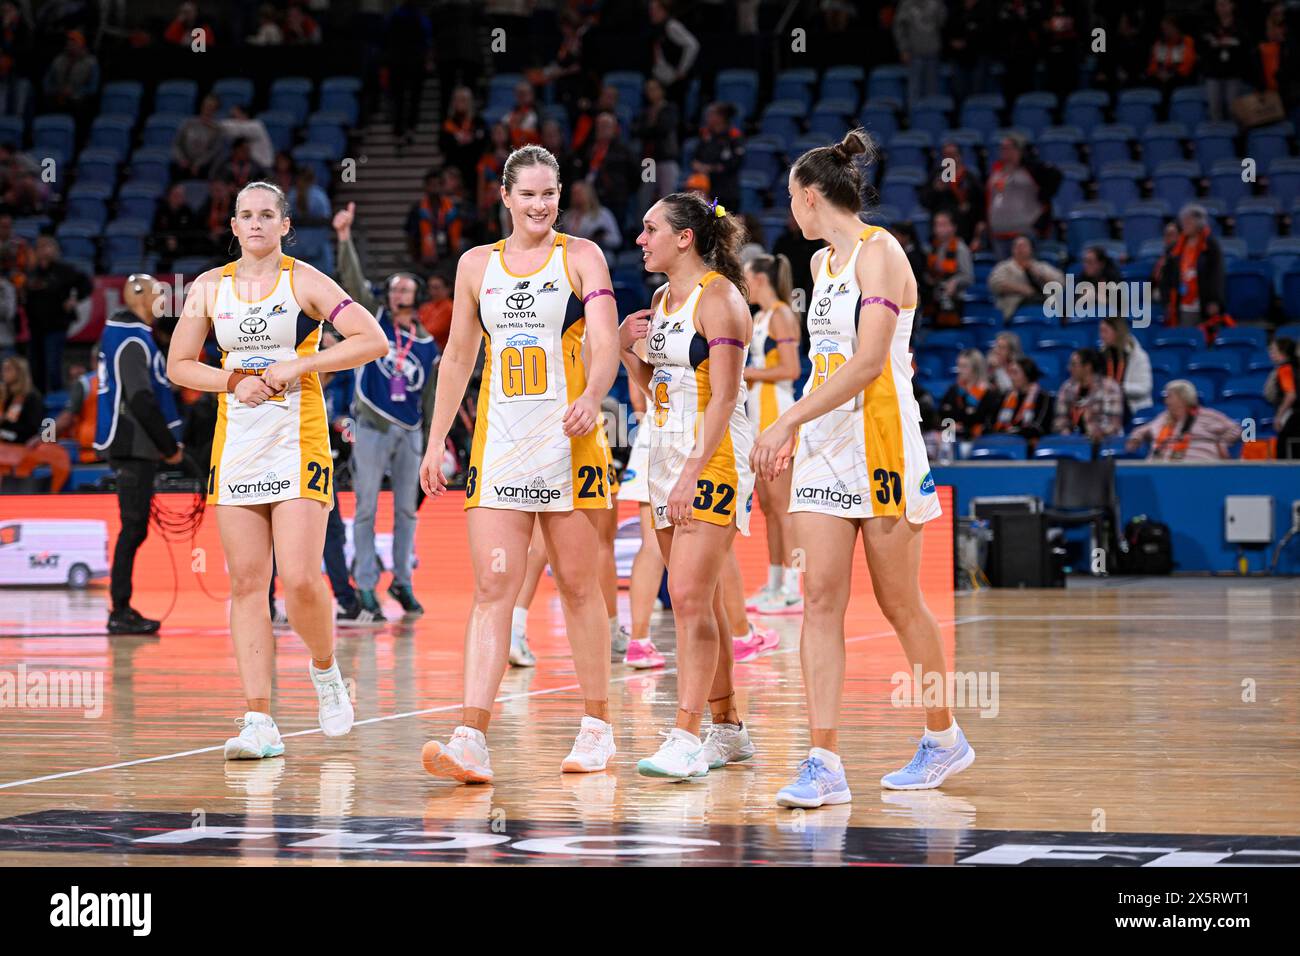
<point x="1214" y="141"/>
<point x="1137" y="107"/>
<point x="1144" y="221"/>
<point x="1087" y="224"/>
<point x="900" y="185"/>
<point x="1033" y="111"/>
<point x="950" y="338"/>
<point x="1053" y="447"/>
<point x="121" y="97"/>
<point x="1284" y="180"/>
<point x="1068" y="338"/>
<point x="291" y="96"/>
<point x="1248" y="290"/>
<point x="763" y="159"/>
<point x="830" y="119"/>
<point x="1118" y="184"/>
<point x="320" y="157"/>
<point x="843" y="82"/>
<point x="279" y="127"/>
<point x="1226" y="182"/>
<point x="888" y="81"/>
<point x="1207" y="388"/>
<point x="739" y="87"/>
<point x="233" y="91"/>
<point x="77" y="239"/>
<point x="910" y="148"/>
<point x="1162" y="142"/>
<point x="783" y="118"/>
<point x="791" y="84"/>
<point x="880" y="119"/>
<point x="1174" y="182"/>
<point x="1060" y="144"/>
<point x="1085" y="109"/>
<point x="1213" y="367"/>
<point x="328" y="129"/>
<point x="1268" y="143"/>
<point x="191" y="267"/>
<point x="1188" y="106"/>
<point x="982" y="112"/>
<point x="931" y="114"/>
<point x="97" y="166"/>
<point x="1110" y="144"/>
<point x="999" y="448"/>
<point x="1257" y="223"/>
<point x="340" y="94"/>
<point x="88" y="202"/>
<point x="1291" y="293"/>
<point x="1071" y="191"/>
<point x="1023" y="322"/>
<point x="1233" y="248"/>
<point x="124" y="238"/>
<point x="629" y="84"/>
<point x="138" y="200"/>
<point x="160" y="129"/>
<point x="29" y="227"/>
<point x="176" y="96"/>
<point x="112" y="133"/>
<point x="1116" y="447"/>
<point x="13" y="129"/>
<point x="55" y="131"/>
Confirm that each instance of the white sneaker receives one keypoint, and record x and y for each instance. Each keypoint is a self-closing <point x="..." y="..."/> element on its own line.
<point x="782" y="602"/>
<point x="680" y="756"/>
<point x="593" y="748"/>
<point x="727" y="743"/>
<point x="464" y="757"/>
<point x="762" y="596"/>
<point x="258" y="738"/>
<point x="520" y="655"/>
<point x="618" y="645"/>
<point x="336" y="713"/>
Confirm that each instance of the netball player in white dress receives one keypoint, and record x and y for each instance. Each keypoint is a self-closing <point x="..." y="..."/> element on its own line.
<point x="860" y="468"/>
<point x="271" y="468"/>
<point x="537" y="450"/>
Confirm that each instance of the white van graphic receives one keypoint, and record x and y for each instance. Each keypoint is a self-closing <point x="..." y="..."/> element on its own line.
<point x="66" y="552"/>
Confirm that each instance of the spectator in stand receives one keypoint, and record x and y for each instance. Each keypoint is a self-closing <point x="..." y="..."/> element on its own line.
<point x="906" y="235"/>
<point x="1006" y="350"/>
<point x="15" y="49"/>
<point x="214" y="215"/>
<point x="949" y="269"/>
<point x="310" y="213"/>
<point x="608" y="166"/>
<point x="176" y="231"/>
<point x="1126" y="361"/>
<point x="967" y="40"/>
<point x="553" y="139"/>
<point x="971" y="403"/>
<point x="1026" y="408"/>
<point x="1280" y="391"/>
<point x="588" y="219"/>
<point x="241" y="169"/>
<point x="180" y="32"/>
<point x="1015" y="31"/>
<point x="268" y="31"/>
<point x="1021" y="279"/>
<point x="300" y="27"/>
<point x="435" y="224"/>
<point x="15" y="253"/>
<point x="435" y="314"/>
<point x="72" y="81"/>
<point x="1099" y="269"/>
<point x="656" y="128"/>
<point x="1185" y="431"/>
<point x="1192" y="278"/>
<point x="23" y="447"/>
<point x="522" y="119"/>
<point x="1128" y="48"/>
<point x="491" y="213"/>
<point x="1063" y="33"/>
<point x="957" y="190"/>
<point x="1020" y="189"/>
<point x="1269" y="52"/>
<point x="1088" y="402"/>
<point x="240" y="125"/>
<point x="20" y="193"/>
<point x="53" y="289"/>
<point x="573" y="78"/>
<point x="198" y="141"/>
<point x="463" y="138"/>
<point x="1225" y="59"/>
<point x="76" y="423"/>
<point x="408" y="54"/>
<point x="284" y="171"/>
<point x="1173" y="56"/>
<point x="674" y="50"/>
<point x="719" y="154"/>
<point x="8" y="318"/>
<point x="918" y="26"/>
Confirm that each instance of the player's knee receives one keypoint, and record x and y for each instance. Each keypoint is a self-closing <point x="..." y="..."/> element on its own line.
<point x="690" y="599"/>
<point x="496" y="587"/>
<point x="823" y="597"/>
<point x="248" y="582"/>
<point x="301" y="588"/>
<point x="576" y="588"/>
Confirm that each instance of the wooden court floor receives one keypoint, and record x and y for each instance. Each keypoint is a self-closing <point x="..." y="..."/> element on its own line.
<point x="1131" y="708"/>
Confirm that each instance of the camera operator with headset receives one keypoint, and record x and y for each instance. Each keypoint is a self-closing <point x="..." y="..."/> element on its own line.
<point x="137" y="426"/>
<point x="389" y="413"/>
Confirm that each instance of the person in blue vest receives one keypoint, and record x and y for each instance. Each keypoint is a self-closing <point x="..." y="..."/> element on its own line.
<point x="136" y="426"/>
<point x="389" y="432"/>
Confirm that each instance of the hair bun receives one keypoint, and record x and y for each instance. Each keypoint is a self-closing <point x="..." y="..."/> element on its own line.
<point x="854" y="143"/>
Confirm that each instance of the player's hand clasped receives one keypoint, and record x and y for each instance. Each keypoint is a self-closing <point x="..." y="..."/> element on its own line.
<point x="773" y="450"/>
<point x="252" y="390"/>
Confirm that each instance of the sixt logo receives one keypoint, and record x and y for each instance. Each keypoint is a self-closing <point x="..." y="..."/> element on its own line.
<point x="45" y="559"/>
<point x="277" y="309"/>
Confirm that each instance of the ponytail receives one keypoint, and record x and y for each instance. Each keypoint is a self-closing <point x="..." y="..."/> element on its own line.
<point x="778" y="272"/>
<point x="718" y="234"/>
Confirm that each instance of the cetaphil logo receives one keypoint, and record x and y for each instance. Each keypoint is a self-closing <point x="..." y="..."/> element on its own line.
<point x="836" y="495"/>
<point x="549" y="287"/>
<point x="268" y="484"/>
<point x="823" y="306"/>
<point x="277" y="309"/>
<point x="253" y="325"/>
<point x="535" y="491"/>
<point x="518" y="301"/>
<point x="927" y="484"/>
<point x="629" y="474"/>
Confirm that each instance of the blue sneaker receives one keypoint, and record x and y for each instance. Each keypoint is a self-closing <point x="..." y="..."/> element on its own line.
<point x="816" y="786"/>
<point x="932" y="765"/>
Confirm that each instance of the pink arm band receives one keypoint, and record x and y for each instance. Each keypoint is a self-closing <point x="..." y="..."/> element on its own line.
<point x="339" y="308"/>
<point x="736" y="342"/>
<point x="595" y="292"/>
<point x="873" y="299"/>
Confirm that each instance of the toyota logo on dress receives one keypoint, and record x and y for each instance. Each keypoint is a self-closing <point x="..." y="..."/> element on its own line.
<point x="252" y="325"/>
<point x="823" y="306"/>
<point x="519" y="300"/>
<point x="657" y="341"/>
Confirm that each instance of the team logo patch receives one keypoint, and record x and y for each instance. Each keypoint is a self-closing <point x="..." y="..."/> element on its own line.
<point x="927" y="484"/>
<point x="550" y="287"/>
<point x="277" y="309"/>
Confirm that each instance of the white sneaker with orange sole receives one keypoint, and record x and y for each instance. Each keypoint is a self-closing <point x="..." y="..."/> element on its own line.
<point x="464" y="757"/>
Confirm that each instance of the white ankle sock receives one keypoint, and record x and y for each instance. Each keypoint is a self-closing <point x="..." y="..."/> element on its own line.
<point x="825" y="756"/>
<point x="474" y="735"/>
<point x="790" y="581"/>
<point x="774" y="576"/>
<point x="519" y="620"/>
<point x="613" y="626"/>
<point x="944" y="738"/>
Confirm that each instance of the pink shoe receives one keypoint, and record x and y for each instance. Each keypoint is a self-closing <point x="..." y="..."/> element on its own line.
<point x="769" y="637"/>
<point x="642" y="654"/>
<point x="746" y="648"/>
